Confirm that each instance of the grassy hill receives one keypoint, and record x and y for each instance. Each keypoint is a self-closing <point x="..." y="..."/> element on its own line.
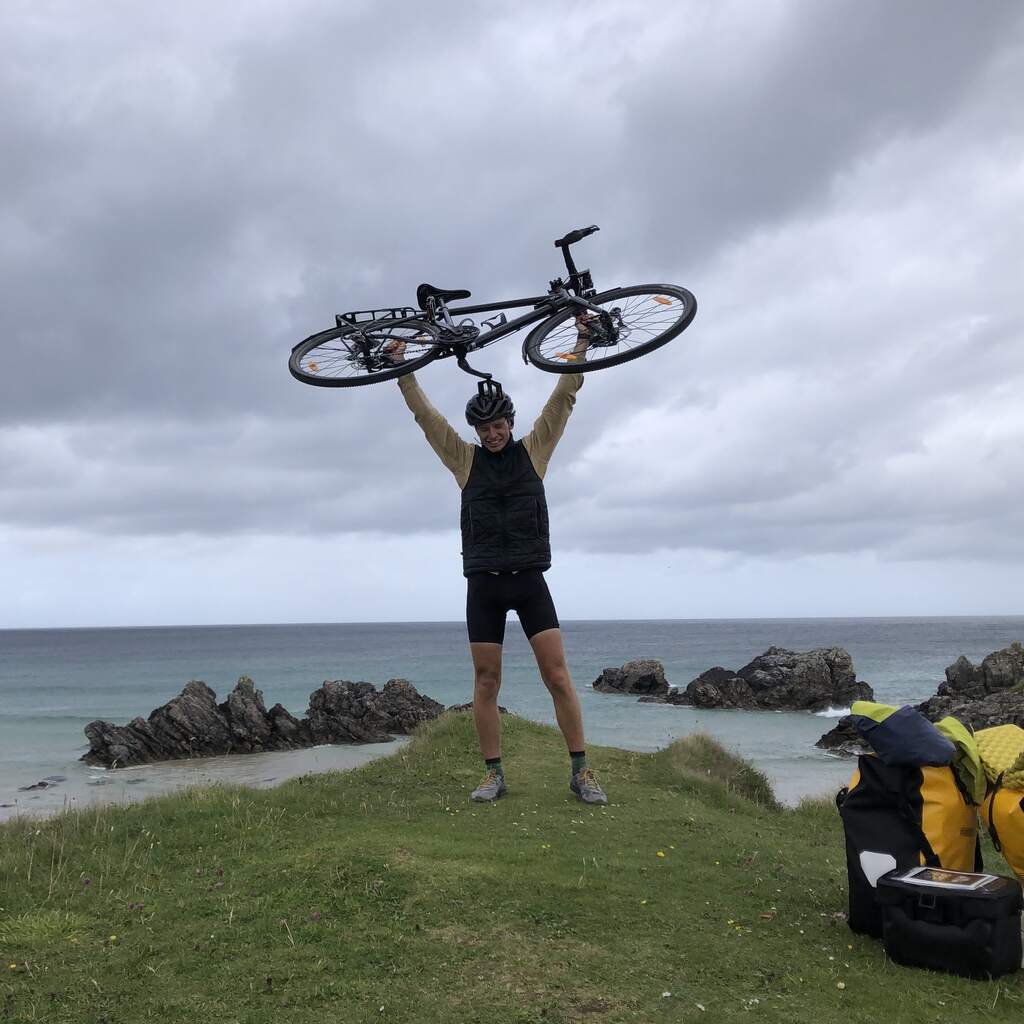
<point x="382" y="894"/>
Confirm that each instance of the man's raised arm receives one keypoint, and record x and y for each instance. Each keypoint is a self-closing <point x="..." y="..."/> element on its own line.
<point x="452" y="450"/>
<point x="547" y="431"/>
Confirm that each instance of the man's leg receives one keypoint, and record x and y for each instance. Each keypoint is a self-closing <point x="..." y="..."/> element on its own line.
<point x="550" y="655"/>
<point x="485" y="621"/>
<point x="486" y="684"/>
<point x="547" y="646"/>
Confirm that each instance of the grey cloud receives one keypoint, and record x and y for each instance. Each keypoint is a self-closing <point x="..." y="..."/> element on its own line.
<point x="182" y="205"/>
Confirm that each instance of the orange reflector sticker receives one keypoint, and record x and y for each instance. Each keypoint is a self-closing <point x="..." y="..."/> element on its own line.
<point x="662" y="300"/>
<point x="312" y="367"/>
<point x="569" y="357"/>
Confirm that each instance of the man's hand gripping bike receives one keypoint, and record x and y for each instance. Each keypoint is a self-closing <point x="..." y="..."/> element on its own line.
<point x="619" y="324"/>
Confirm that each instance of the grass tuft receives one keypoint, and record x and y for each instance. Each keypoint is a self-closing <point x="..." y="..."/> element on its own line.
<point x="703" y="761"/>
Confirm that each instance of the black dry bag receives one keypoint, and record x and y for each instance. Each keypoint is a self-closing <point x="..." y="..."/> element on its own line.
<point x="898" y="817"/>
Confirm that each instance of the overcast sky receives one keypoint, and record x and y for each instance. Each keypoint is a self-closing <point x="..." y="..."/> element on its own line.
<point x="187" y="190"/>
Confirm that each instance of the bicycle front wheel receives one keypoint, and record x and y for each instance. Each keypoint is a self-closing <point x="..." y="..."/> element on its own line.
<point x="638" y="320"/>
<point x="346" y="357"/>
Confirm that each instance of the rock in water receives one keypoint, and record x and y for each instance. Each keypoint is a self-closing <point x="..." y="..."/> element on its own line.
<point x="844" y="739"/>
<point x="781" y="680"/>
<point x="645" y="676"/>
<point x="1000" y="670"/>
<point x="193" y="724"/>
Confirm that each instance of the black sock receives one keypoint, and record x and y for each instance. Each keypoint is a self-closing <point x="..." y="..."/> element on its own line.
<point x="493" y="764"/>
<point x="579" y="760"/>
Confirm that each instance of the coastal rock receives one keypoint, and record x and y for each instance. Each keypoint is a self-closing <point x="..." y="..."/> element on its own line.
<point x="1004" y="708"/>
<point x="193" y="724"/>
<point x="469" y="707"/>
<point x="645" y="676"/>
<point x="781" y="680"/>
<point x="843" y="739"/>
<point x="1000" y="670"/>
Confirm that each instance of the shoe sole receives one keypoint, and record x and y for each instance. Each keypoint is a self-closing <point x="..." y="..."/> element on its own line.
<point x="488" y="799"/>
<point x="591" y="803"/>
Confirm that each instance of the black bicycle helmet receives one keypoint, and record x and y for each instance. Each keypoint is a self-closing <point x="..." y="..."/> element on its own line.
<point x="489" y="403"/>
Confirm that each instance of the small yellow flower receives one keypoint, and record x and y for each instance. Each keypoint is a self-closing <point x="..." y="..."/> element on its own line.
<point x="660" y="853"/>
<point x="13" y="967"/>
<point x="113" y="938"/>
<point x="643" y="902"/>
<point x="840" y="984"/>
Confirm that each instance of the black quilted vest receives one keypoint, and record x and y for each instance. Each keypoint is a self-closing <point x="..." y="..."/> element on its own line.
<point x="504" y="513"/>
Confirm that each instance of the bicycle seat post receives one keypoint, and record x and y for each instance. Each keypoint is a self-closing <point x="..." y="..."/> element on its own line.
<point x="438" y="306"/>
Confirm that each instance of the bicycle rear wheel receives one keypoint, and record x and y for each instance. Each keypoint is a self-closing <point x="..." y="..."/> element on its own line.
<point x="639" y="319"/>
<point x="347" y="357"/>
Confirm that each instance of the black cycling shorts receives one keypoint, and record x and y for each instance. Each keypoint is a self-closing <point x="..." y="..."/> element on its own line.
<point x="490" y="597"/>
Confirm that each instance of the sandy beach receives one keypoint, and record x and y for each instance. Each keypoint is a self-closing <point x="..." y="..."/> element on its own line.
<point x="77" y="786"/>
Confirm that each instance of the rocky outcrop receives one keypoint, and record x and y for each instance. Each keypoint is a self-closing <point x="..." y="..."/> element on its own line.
<point x="980" y="696"/>
<point x="1006" y="708"/>
<point x="780" y="680"/>
<point x="1000" y="670"/>
<point x="645" y="676"/>
<point x="193" y="724"/>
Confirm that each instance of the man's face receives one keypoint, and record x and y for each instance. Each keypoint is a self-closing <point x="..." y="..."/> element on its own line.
<point x="494" y="435"/>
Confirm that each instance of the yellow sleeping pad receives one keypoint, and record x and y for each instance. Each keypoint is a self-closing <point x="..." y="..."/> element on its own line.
<point x="1002" y="753"/>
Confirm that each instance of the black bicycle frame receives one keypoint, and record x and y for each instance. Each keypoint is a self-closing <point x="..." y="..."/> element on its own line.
<point x="579" y="287"/>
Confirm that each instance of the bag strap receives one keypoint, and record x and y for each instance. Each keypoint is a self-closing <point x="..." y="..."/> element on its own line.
<point x="991" y="808"/>
<point x="930" y="859"/>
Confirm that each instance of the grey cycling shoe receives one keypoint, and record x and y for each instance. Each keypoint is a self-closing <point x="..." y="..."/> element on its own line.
<point x="492" y="786"/>
<point x="585" y="785"/>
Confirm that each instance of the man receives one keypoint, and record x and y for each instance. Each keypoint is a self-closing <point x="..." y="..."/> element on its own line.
<point x="505" y="552"/>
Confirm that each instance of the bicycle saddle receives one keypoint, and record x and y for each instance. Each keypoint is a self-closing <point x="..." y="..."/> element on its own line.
<point x="428" y="291"/>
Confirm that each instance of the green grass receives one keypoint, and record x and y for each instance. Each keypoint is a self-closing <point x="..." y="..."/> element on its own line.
<point x="382" y="894"/>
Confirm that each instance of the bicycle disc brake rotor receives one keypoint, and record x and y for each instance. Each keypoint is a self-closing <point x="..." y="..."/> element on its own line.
<point x="609" y="329"/>
<point x="368" y="353"/>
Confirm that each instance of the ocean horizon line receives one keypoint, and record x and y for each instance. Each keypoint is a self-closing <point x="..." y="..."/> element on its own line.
<point x="564" y="621"/>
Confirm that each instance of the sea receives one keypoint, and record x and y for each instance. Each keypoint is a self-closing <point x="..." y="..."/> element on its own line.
<point x="54" y="681"/>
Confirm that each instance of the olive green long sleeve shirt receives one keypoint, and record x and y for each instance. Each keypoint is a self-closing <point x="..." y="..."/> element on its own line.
<point x="457" y="454"/>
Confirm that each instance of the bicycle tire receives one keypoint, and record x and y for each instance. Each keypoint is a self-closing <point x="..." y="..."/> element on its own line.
<point x="329" y="370"/>
<point x="557" y="328"/>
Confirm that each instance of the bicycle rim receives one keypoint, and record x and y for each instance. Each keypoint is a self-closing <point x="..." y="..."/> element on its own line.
<point x="643" y="317"/>
<point x="344" y="357"/>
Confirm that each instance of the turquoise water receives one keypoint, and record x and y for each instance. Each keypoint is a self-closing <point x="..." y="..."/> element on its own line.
<point x="54" y="681"/>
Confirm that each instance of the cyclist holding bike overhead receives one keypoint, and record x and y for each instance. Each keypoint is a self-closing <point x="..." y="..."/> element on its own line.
<point x="505" y="552"/>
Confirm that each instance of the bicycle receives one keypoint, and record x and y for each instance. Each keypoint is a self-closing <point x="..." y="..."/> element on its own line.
<point x="621" y="324"/>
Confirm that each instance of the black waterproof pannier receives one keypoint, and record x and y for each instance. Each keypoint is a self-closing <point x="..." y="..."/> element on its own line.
<point x="895" y="818"/>
<point x="960" y="922"/>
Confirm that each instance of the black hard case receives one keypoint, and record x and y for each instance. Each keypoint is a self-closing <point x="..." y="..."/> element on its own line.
<point x="976" y="934"/>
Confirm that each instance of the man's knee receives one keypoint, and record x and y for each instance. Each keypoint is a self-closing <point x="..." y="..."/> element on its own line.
<point x="558" y="681"/>
<point x="486" y="683"/>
